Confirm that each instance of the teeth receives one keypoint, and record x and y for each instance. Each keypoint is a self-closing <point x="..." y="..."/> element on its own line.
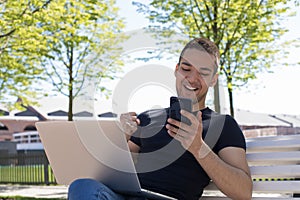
<point x="190" y="88"/>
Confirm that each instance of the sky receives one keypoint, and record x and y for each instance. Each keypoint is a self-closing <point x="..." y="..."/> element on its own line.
<point x="272" y="93"/>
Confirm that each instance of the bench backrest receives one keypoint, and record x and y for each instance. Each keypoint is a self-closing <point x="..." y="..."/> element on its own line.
<point x="275" y="168"/>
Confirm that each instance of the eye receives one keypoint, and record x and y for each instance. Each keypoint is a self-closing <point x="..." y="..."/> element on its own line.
<point x="186" y="69"/>
<point x="186" y="66"/>
<point x="204" y="74"/>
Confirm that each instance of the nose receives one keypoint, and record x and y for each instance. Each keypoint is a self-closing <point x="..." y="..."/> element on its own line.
<point x="192" y="77"/>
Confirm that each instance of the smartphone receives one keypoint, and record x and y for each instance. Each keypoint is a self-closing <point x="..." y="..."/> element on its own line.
<point x="177" y="104"/>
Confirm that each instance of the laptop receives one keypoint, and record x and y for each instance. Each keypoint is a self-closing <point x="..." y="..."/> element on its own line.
<point x="94" y="149"/>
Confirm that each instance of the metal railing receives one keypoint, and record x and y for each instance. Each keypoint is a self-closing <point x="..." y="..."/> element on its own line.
<point x="26" y="169"/>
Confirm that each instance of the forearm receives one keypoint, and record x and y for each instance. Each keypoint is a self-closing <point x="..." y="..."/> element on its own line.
<point x="232" y="181"/>
<point x="127" y="136"/>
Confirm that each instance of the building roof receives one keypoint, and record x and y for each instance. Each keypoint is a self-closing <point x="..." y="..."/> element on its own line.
<point x="247" y="118"/>
<point x="55" y="108"/>
<point x="58" y="113"/>
<point x="25" y="113"/>
<point x="3" y="113"/>
<point x="294" y="120"/>
<point x="108" y="114"/>
<point x="83" y="114"/>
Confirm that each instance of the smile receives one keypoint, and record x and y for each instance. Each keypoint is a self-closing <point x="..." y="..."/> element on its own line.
<point x="190" y="88"/>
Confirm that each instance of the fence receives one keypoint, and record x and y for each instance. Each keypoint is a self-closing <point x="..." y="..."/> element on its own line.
<point x="26" y="168"/>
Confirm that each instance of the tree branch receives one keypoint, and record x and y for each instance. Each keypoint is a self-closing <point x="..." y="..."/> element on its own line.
<point x="226" y="6"/>
<point x="194" y="17"/>
<point x="54" y="83"/>
<point x="3" y="82"/>
<point x="42" y="7"/>
<point x="8" y="33"/>
<point x="208" y="10"/>
<point x="21" y="14"/>
<point x="215" y="22"/>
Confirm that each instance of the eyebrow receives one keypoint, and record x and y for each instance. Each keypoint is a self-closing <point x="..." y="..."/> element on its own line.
<point x="186" y="63"/>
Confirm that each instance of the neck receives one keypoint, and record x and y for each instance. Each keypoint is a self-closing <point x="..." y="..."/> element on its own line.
<point x="198" y="106"/>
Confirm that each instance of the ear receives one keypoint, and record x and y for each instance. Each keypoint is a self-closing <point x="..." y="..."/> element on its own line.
<point x="176" y="69"/>
<point x="214" y="80"/>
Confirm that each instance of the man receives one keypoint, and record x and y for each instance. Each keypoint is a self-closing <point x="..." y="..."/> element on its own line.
<point x="179" y="159"/>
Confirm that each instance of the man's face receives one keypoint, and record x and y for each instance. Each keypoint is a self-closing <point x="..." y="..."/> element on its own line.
<point x="194" y="75"/>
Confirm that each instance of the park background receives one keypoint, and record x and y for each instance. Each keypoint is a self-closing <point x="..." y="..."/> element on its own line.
<point x="271" y="93"/>
<point x="275" y="91"/>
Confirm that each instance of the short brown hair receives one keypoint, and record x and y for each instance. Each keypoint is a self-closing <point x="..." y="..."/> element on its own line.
<point x="203" y="44"/>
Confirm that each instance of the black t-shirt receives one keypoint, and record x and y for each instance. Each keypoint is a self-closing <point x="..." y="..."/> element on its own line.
<point x="165" y="166"/>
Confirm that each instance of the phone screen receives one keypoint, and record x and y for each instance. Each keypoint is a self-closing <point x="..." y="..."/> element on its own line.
<point x="177" y="104"/>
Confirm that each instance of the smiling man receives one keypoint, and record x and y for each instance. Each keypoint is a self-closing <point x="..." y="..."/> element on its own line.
<point x="179" y="159"/>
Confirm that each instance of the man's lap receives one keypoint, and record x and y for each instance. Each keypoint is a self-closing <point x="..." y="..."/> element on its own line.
<point x="94" y="190"/>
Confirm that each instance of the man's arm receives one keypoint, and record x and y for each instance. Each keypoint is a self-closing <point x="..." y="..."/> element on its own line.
<point x="133" y="147"/>
<point x="229" y="170"/>
<point x="129" y="123"/>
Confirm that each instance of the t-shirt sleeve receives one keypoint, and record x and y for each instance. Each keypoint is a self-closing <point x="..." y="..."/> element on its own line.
<point x="135" y="138"/>
<point x="231" y="136"/>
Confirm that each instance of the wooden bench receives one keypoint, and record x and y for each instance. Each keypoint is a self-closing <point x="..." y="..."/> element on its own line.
<point x="275" y="168"/>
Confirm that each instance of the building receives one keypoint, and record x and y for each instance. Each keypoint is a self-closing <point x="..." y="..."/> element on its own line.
<point x="262" y="124"/>
<point x="28" y="141"/>
<point x="252" y="124"/>
<point x="18" y="121"/>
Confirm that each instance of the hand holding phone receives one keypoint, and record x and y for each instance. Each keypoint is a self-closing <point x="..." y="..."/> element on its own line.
<point x="177" y="104"/>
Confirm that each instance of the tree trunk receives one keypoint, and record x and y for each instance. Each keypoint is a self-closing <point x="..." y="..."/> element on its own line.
<point x="217" y="98"/>
<point x="231" y="101"/>
<point x="70" y="87"/>
<point x="70" y="112"/>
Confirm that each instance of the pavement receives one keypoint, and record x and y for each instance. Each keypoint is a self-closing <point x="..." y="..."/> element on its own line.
<point x="61" y="191"/>
<point x="36" y="191"/>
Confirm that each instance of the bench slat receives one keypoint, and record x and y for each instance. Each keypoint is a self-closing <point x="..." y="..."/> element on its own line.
<point x="276" y="145"/>
<point x="277" y="186"/>
<point x="254" y="198"/>
<point x="284" y="187"/>
<point x="269" y="158"/>
<point x="276" y="158"/>
<point x="275" y="137"/>
<point x="276" y="171"/>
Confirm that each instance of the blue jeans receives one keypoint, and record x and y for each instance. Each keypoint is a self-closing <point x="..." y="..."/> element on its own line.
<point x="89" y="189"/>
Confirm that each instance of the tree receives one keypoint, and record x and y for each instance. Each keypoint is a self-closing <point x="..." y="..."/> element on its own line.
<point x="18" y="44"/>
<point x="245" y="31"/>
<point x="80" y="36"/>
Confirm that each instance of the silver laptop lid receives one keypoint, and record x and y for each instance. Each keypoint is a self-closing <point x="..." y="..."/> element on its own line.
<point x="89" y="149"/>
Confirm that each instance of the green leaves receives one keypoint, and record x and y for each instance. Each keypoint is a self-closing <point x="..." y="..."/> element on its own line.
<point x="19" y="43"/>
<point x="245" y="31"/>
<point x="79" y="35"/>
<point x="61" y="41"/>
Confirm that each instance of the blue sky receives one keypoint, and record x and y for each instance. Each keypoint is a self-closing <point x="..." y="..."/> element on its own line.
<point x="272" y="93"/>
